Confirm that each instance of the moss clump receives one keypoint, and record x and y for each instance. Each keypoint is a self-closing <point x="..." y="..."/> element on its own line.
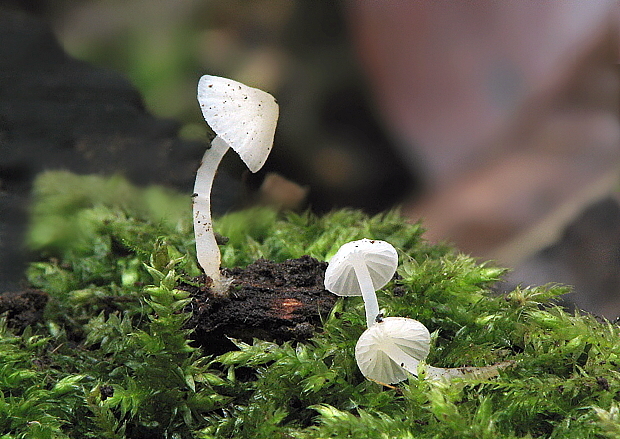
<point x="111" y="359"/>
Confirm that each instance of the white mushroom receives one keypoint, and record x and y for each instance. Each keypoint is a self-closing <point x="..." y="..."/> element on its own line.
<point x="359" y="268"/>
<point x="244" y="119"/>
<point x="395" y="346"/>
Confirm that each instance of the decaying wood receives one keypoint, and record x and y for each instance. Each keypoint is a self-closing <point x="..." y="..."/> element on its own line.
<point x="267" y="300"/>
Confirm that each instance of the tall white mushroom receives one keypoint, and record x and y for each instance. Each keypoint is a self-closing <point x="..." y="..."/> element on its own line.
<point x="359" y="268"/>
<point x="244" y="119"/>
<point x="394" y="346"/>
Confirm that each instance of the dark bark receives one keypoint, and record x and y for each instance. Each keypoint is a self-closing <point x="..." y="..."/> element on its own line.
<point x="267" y="300"/>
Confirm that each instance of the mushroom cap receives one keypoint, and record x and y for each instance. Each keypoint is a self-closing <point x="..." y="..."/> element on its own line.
<point x="392" y="347"/>
<point x="379" y="256"/>
<point x="245" y="117"/>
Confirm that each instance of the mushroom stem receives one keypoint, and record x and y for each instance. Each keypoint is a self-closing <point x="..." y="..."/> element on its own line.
<point x="469" y="372"/>
<point x="207" y="251"/>
<point x="369" y="295"/>
<point x="411" y="364"/>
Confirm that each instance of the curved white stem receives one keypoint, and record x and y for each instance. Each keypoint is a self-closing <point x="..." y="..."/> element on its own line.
<point x="411" y="364"/>
<point x="369" y="295"/>
<point x="207" y="251"/>
<point x="469" y="372"/>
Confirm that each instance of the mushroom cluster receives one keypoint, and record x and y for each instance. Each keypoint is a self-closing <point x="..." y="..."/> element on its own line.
<point x="244" y="119"/>
<point x="391" y="347"/>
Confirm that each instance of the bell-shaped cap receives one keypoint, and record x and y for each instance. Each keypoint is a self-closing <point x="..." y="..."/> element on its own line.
<point x="392" y="347"/>
<point x="245" y="117"/>
<point x="380" y="258"/>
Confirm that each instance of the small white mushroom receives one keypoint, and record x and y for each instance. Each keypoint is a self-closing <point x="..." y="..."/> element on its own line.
<point x="244" y="119"/>
<point x="359" y="268"/>
<point x="395" y="346"/>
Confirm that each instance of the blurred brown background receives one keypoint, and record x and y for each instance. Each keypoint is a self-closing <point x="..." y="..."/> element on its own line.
<point x="496" y="123"/>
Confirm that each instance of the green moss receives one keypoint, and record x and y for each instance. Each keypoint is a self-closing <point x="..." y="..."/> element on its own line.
<point x="112" y="360"/>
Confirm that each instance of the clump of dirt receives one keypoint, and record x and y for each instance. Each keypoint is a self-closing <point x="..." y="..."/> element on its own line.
<point x="267" y="300"/>
<point x="23" y="308"/>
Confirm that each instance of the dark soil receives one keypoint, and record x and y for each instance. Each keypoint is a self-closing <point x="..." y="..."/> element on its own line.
<point x="267" y="300"/>
<point x="22" y="308"/>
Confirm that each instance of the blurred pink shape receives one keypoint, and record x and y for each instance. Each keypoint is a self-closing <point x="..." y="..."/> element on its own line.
<point x="449" y="77"/>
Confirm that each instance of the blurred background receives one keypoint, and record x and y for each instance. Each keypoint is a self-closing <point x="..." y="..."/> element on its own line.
<point x="495" y="123"/>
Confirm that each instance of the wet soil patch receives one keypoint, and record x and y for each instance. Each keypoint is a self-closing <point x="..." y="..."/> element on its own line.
<point x="266" y="300"/>
<point x="23" y="308"/>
